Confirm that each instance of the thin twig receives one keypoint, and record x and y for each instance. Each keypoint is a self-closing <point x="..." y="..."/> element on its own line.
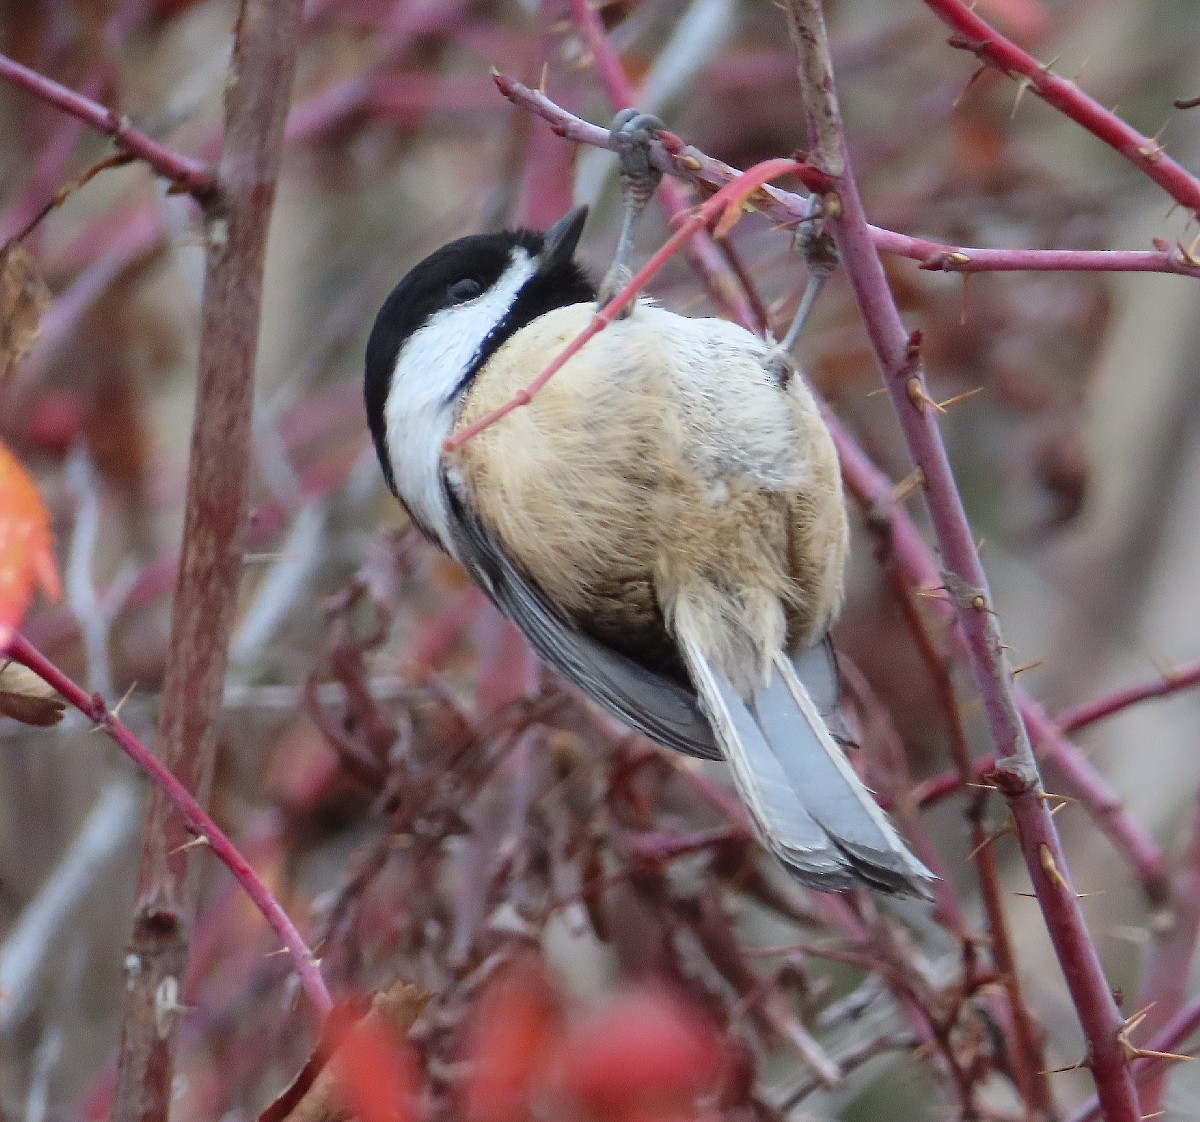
<point x="851" y="1059"/>
<point x="200" y="823"/>
<point x="1085" y="713"/>
<point x="47" y="174"/>
<point x="936" y="257"/>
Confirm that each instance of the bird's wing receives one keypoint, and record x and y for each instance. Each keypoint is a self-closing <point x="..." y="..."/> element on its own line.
<point x="663" y="710"/>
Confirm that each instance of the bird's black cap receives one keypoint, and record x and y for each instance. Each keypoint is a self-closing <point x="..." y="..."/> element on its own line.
<point x="457" y="272"/>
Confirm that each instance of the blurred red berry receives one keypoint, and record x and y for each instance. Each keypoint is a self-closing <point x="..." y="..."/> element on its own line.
<point x="377" y="1074"/>
<point x="644" y="1055"/>
<point x="511" y="1045"/>
<point x="55" y="422"/>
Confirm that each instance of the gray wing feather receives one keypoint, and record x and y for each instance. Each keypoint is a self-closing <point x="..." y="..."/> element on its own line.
<point x="656" y="706"/>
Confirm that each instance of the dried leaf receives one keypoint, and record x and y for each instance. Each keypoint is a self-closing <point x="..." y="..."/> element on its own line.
<point x="26" y="698"/>
<point x="26" y="547"/>
<point x="730" y="217"/>
<point x="24" y="299"/>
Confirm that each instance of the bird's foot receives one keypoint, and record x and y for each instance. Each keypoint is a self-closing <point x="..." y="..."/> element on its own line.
<point x="822" y="257"/>
<point x="632" y="134"/>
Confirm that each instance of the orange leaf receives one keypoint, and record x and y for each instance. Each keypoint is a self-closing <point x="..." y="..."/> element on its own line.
<point x="26" y="547"/>
<point x="730" y="217"/>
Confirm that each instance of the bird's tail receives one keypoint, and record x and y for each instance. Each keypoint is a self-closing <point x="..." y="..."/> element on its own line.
<point x="808" y="805"/>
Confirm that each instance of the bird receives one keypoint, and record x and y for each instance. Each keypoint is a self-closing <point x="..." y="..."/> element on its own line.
<point x="664" y="520"/>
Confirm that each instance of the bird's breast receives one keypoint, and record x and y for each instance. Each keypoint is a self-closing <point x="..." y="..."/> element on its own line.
<point x="659" y="455"/>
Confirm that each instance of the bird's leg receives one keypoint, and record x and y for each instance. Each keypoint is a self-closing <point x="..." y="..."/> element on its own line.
<point x="822" y="258"/>
<point x="631" y="132"/>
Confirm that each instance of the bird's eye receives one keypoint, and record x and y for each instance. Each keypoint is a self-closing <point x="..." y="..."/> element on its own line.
<point x="462" y="290"/>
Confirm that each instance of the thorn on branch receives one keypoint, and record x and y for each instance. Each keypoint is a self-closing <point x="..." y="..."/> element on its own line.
<point x="1046" y="860"/>
<point x="115" y="712"/>
<point x="1076" y="1066"/>
<point x="943" y="406"/>
<point x="1132" y="1051"/>
<point x="1009" y="827"/>
<point x="913" y="481"/>
<point x="1025" y="667"/>
<point x="1022" y="85"/>
<point x="958" y="97"/>
<point x="917" y="395"/>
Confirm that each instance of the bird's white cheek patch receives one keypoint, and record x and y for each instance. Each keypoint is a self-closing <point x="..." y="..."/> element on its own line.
<point x="422" y="404"/>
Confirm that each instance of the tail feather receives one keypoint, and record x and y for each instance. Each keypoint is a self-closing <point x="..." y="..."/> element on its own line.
<point x="806" y="801"/>
<point x="817" y="668"/>
<point x="786" y="827"/>
<point x="831" y="792"/>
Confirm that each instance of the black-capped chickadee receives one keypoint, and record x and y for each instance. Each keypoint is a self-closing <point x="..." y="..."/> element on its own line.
<point x="664" y="522"/>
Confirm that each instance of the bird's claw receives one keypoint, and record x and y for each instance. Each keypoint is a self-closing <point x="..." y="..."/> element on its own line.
<point x="632" y="132"/>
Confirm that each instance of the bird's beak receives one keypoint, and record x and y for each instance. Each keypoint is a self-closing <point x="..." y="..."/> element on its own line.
<point x="561" y="239"/>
